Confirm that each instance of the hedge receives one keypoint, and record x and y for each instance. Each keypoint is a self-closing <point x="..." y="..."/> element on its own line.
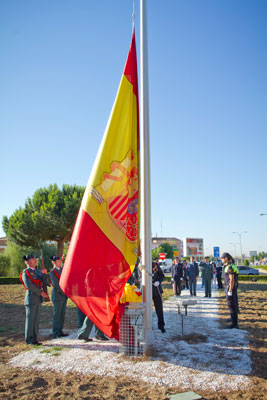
<point x="14" y="281"/>
<point x="240" y="278"/>
<point x="7" y="280"/>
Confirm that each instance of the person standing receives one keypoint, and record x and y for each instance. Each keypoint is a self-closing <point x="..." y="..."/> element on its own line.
<point x="214" y="274"/>
<point x="59" y="298"/>
<point x="219" y="275"/>
<point x="207" y="274"/>
<point x="86" y="329"/>
<point x="193" y="274"/>
<point x="185" y="274"/>
<point x="230" y="287"/>
<point x="157" y="278"/>
<point x="33" y="281"/>
<point x="177" y="276"/>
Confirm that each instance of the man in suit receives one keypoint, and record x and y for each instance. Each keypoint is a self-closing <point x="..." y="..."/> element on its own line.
<point x="193" y="274"/>
<point x="177" y="275"/>
<point x="157" y="278"/>
<point x="34" y="281"/>
<point x="58" y="297"/>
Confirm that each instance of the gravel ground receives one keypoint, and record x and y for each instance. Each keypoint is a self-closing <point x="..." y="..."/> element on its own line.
<point x="204" y="356"/>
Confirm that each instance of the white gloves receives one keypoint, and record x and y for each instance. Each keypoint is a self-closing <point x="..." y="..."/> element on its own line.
<point x="156" y="284"/>
<point x="229" y="293"/>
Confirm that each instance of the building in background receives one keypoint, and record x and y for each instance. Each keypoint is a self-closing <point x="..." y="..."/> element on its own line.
<point x="3" y="244"/>
<point x="176" y="244"/>
<point x="193" y="247"/>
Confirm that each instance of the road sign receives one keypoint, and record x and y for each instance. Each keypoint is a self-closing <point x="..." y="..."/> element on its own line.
<point x="253" y="253"/>
<point x="216" y="252"/>
<point x="162" y="256"/>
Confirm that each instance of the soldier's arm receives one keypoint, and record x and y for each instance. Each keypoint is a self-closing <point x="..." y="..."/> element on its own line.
<point x="231" y="278"/>
<point x="160" y="275"/>
<point x="30" y="285"/>
<point x="55" y="282"/>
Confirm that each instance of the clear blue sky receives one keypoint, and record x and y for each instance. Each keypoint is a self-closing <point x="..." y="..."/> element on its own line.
<point x="61" y="63"/>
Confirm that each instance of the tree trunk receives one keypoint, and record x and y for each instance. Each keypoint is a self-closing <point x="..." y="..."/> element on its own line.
<point x="60" y="247"/>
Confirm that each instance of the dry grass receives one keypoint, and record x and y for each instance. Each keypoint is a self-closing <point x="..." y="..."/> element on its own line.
<point x="31" y="384"/>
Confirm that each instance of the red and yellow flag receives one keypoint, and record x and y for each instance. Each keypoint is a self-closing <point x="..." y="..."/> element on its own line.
<point x="105" y="240"/>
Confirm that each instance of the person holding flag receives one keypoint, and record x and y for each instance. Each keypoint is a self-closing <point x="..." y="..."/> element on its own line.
<point x="157" y="278"/>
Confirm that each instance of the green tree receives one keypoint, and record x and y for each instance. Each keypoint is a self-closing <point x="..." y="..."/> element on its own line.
<point x="261" y="255"/>
<point x="163" y="248"/>
<point x="15" y="253"/>
<point x="49" y="215"/>
<point x="4" y="265"/>
<point x="246" y="262"/>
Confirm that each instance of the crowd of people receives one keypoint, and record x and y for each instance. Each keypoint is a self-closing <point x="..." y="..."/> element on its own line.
<point x="184" y="275"/>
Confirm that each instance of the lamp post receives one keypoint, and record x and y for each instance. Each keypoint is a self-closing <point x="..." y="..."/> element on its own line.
<point x="240" y="234"/>
<point x="234" y="244"/>
<point x="262" y="215"/>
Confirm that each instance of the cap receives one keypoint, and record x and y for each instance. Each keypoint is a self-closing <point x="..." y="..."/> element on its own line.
<point x="226" y="255"/>
<point x="27" y="257"/>
<point x="54" y="258"/>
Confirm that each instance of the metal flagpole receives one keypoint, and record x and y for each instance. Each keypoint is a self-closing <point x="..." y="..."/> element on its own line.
<point x="145" y="177"/>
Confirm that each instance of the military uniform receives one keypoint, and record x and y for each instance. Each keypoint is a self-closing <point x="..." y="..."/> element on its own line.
<point x="59" y="300"/>
<point x="33" y="280"/>
<point x="86" y="328"/>
<point x="157" y="278"/>
<point x="232" y="300"/>
<point x="207" y="275"/>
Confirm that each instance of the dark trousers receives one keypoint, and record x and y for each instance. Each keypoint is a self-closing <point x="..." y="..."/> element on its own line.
<point x="193" y="286"/>
<point x="32" y="323"/>
<point x="219" y="280"/>
<point x="81" y="317"/>
<point x="232" y="302"/>
<point x="159" y="310"/>
<point x="59" y="316"/>
<point x="177" y="286"/>
<point x="207" y="283"/>
<point x="87" y="327"/>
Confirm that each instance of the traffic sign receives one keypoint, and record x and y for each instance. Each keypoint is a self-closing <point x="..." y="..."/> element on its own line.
<point x="216" y="252"/>
<point x="162" y="256"/>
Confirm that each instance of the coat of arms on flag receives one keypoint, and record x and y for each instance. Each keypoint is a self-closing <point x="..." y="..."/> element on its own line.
<point x="119" y="188"/>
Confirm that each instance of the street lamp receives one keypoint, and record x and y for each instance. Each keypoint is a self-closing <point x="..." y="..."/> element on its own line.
<point x="240" y="234"/>
<point x="234" y="244"/>
<point x="262" y="215"/>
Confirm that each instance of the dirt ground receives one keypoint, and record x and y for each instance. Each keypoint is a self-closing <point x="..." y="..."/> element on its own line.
<point x="25" y="384"/>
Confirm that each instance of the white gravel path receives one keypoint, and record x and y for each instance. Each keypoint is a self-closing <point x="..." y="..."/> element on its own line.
<point x="220" y="362"/>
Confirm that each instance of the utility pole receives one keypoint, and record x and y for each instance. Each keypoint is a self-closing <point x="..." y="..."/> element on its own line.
<point x="240" y="242"/>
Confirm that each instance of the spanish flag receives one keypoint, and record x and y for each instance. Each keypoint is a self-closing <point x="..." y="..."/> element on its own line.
<point x="105" y="240"/>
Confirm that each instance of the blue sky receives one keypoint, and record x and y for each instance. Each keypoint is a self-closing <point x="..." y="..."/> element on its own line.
<point x="61" y="63"/>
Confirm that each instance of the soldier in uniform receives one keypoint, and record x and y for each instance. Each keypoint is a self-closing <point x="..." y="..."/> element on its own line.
<point x="85" y="331"/>
<point x="157" y="278"/>
<point x="33" y="280"/>
<point x="230" y="286"/>
<point x="58" y="297"/>
<point x="207" y="274"/>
